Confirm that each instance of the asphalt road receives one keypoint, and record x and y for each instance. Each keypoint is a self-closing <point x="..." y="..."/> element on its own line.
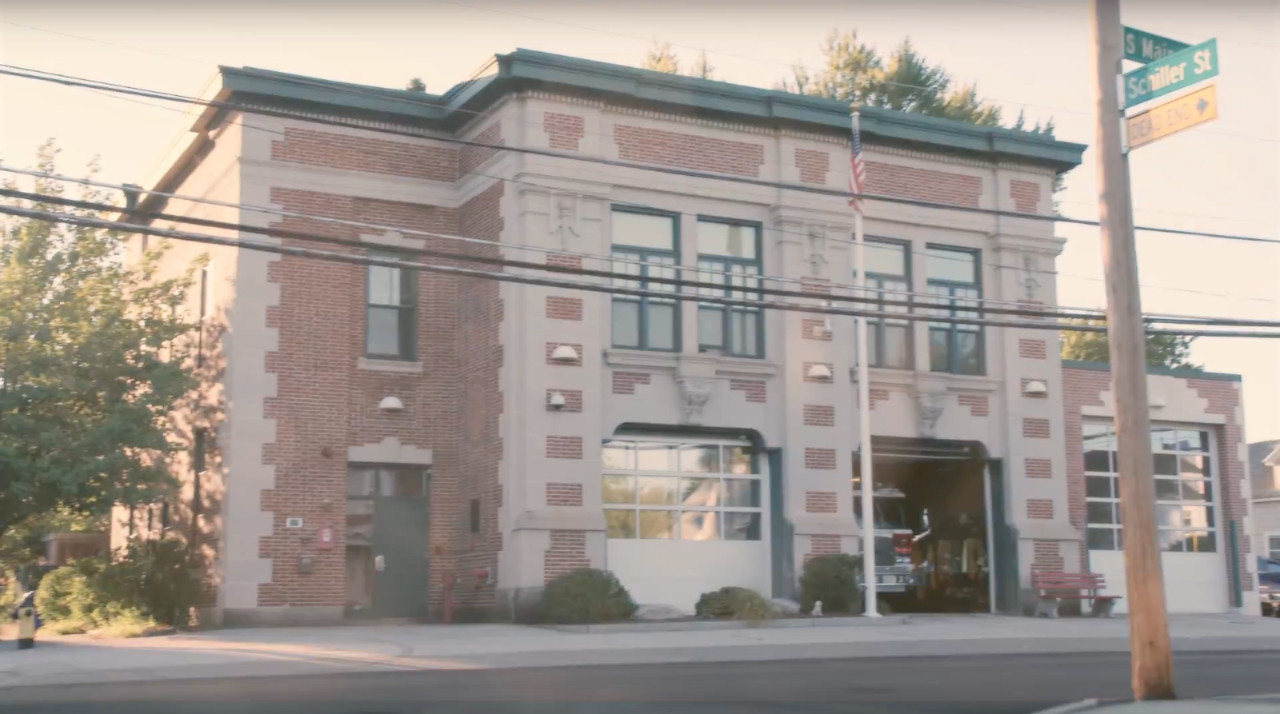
<point x="978" y="685"/>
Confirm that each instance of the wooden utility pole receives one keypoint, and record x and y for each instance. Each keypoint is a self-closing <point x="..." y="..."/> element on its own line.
<point x="1152" y="662"/>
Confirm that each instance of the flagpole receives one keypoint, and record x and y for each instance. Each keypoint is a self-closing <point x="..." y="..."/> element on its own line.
<point x="864" y="396"/>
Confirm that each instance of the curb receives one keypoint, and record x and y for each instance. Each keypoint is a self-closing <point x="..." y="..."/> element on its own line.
<point x="712" y="625"/>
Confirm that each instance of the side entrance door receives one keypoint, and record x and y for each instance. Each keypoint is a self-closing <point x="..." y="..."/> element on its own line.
<point x="400" y="557"/>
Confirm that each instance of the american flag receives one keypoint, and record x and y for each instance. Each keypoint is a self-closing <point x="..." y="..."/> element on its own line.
<point x="857" y="170"/>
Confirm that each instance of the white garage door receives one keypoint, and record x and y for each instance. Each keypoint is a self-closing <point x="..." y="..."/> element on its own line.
<point x="684" y="516"/>
<point x="1190" y="532"/>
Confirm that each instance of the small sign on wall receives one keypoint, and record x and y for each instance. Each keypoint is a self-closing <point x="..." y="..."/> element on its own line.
<point x="293" y="522"/>
<point x="324" y="538"/>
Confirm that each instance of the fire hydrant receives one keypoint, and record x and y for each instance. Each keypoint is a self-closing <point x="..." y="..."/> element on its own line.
<point x="28" y="621"/>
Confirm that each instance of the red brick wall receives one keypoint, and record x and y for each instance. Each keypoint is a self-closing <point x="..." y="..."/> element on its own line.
<point x="814" y="329"/>
<point x="564" y="308"/>
<point x="480" y="310"/>
<point x="1223" y="398"/>
<point x="820" y="502"/>
<point x="564" y="494"/>
<point x="755" y="391"/>
<point x="1039" y="508"/>
<point x="568" y="552"/>
<point x="564" y="447"/>
<point x="822" y="545"/>
<point x="1048" y="557"/>
<point x="379" y="156"/>
<point x="1032" y="349"/>
<point x="625" y="382"/>
<point x="819" y="415"/>
<point x="1080" y="388"/>
<point x="470" y="157"/>
<point x="687" y="151"/>
<point x="565" y="261"/>
<point x="875" y="396"/>
<point x="324" y="404"/>
<point x="977" y="403"/>
<point x="564" y="131"/>
<point x="1034" y="428"/>
<point x="821" y="459"/>
<point x="1025" y="195"/>
<point x="1039" y="468"/>
<point x="813" y="165"/>
<point x="923" y="184"/>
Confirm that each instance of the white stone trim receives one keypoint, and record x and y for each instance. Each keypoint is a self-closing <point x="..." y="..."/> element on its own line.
<point x="393" y="239"/>
<point x="561" y="519"/>
<point x="389" y="365"/>
<point x="389" y="451"/>
<point x="666" y="361"/>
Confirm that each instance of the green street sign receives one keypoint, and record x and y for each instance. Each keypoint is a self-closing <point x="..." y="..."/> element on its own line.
<point x="1171" y="73"/>
<point x="1145" y="47"/>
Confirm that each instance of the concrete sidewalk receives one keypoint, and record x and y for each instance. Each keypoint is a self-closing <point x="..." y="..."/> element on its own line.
<point x="314" y="650"/>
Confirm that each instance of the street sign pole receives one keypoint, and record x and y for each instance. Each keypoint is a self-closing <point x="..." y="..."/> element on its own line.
<point x="1151" y="661"/>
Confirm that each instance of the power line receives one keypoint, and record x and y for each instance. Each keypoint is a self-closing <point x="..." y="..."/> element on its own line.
<point x="930" y="302"/>
<point x="498" y="147"/>
<point x="674" y="171"/>
<point x="552" y="251"/>
<point x="578" y="285"/>
<point x="608" y="259"/>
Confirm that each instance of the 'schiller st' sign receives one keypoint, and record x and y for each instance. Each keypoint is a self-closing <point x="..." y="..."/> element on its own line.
<point x="1171" y="73"/>
<point x="1145" y="47"/>
<point x="1173" y="116"/>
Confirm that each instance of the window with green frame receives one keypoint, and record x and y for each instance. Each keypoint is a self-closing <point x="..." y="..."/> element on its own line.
<point x="889" y="278"/>
<point x="955" y="290"/>
<point x="729" y="256"/>
<point x="645" y="246"/>
<point x="390" y="311"/>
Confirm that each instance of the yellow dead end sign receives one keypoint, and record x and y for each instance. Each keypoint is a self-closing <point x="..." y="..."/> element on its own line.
<point x="1173" y="116"/>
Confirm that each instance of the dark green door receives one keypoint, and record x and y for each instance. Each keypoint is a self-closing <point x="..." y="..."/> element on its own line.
<point x="1005" y="542"/>
<point x="400" y="557"/>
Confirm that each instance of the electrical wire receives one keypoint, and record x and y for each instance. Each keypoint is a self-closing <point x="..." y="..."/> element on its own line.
<point x="995" y="265"/>
<point x="549" y="153"/>
<point x="90" y="222"/>
<point x="932" y="301"/>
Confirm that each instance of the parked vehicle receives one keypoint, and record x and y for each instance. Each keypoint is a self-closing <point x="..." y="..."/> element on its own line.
<point x="1269" y="586"/>
<point x="894" y="538"/>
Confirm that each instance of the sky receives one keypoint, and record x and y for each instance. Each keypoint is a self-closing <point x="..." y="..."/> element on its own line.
<point x="1025" y="55"/>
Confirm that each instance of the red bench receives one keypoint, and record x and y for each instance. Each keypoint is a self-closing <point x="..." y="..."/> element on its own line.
<point x="1053" y="587"/>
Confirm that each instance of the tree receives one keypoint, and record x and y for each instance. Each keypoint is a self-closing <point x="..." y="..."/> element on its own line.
<point x="702" y="68"/>
<point x="661" y="58"/>
<point x="92" y="362"/>
<point x="416" y="85"/>
<point x="1168" y="351"/>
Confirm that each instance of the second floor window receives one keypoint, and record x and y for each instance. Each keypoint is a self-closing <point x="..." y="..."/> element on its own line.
<point x="888" y="278"/>
<point x="955" y="290"/>
<point x="729" y="256"/>
<point x="645" y="246"/>
<point x="390" y="312"/>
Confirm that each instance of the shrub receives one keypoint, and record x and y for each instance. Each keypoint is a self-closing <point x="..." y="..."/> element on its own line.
<point x="833" y="580"/>
<point x="734" y="603"/>
<point x="585" y="596"/>
<point x="149" y="583"/>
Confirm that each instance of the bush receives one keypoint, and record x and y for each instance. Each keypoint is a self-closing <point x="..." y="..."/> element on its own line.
<point x="150" y="583"/>
<point x="734" y="603"/>
<point x="585" y="596"/>
<point x="833" y="580"/>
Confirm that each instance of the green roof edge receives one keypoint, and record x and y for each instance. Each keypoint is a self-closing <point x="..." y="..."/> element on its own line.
<point x="530" y="68"/>
<point x="1158" y="371"/>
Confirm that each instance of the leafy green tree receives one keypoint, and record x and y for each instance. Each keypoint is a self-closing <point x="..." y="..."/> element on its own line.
<point x="416" y="85"/>
<point x="92" y="362"/>
<point x="661" y="58"/>
<point x="1168" y="351"/>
